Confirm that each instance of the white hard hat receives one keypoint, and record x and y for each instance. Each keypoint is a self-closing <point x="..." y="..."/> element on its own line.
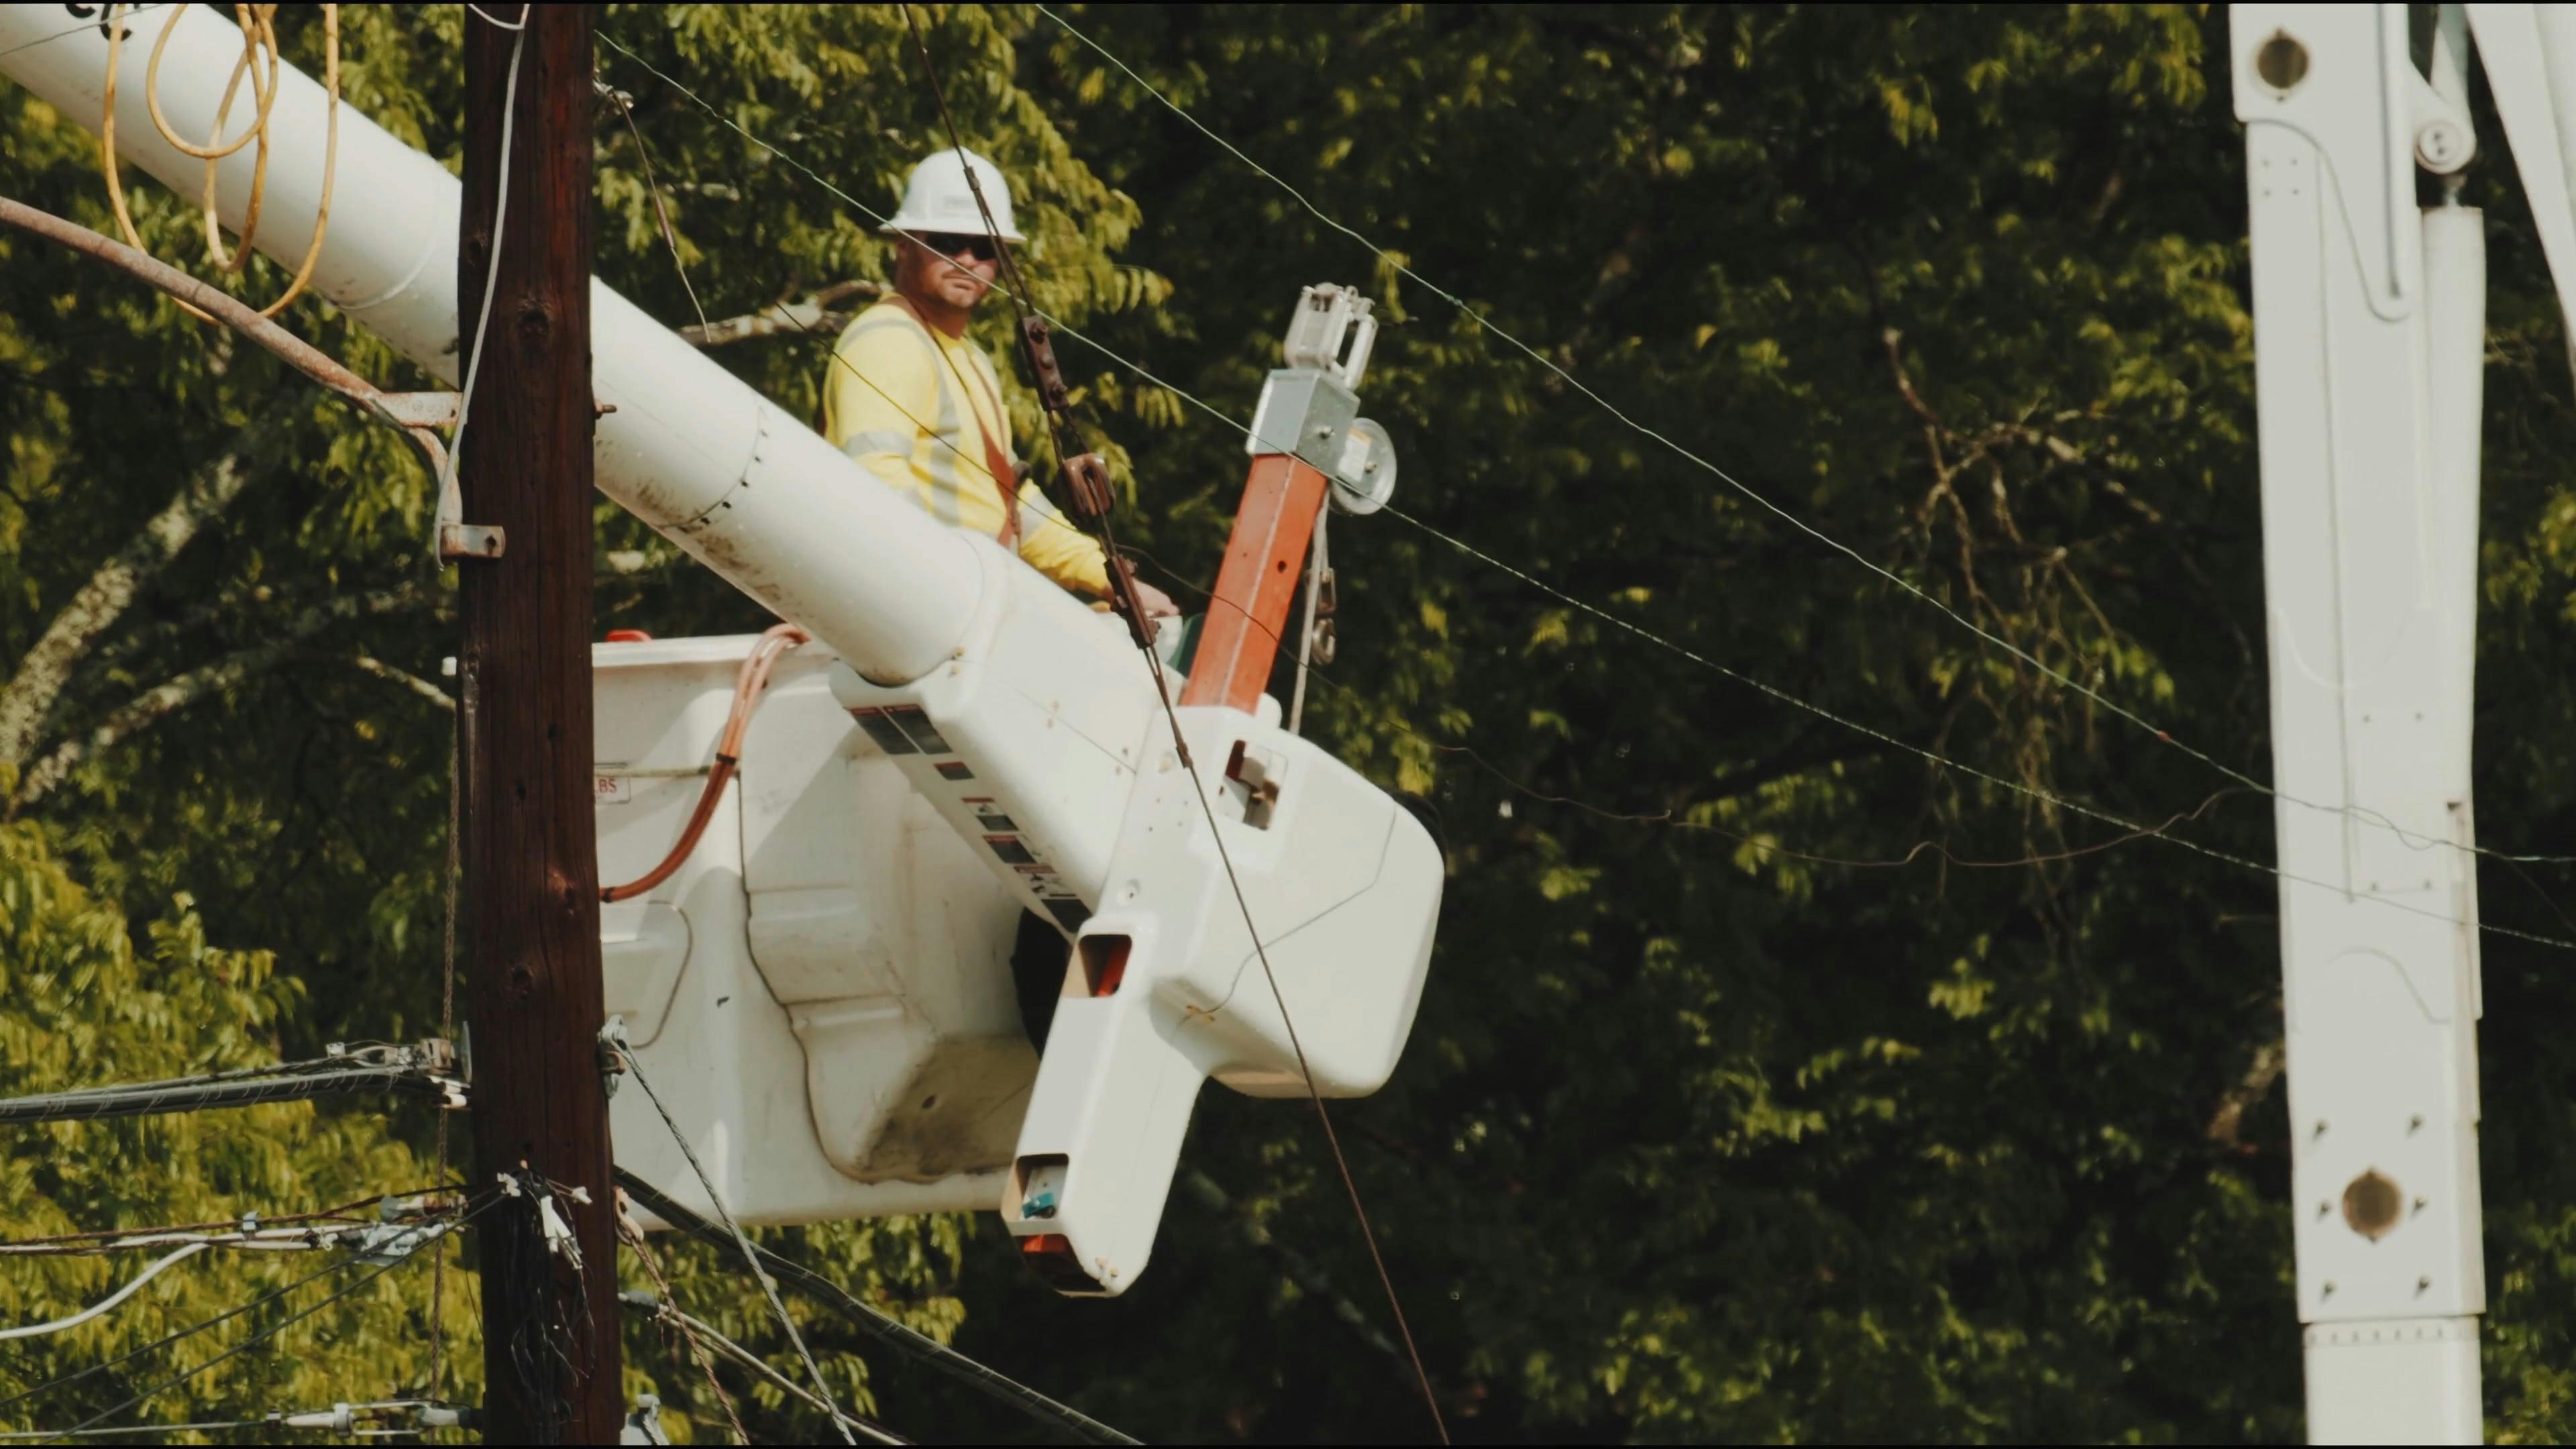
<point x="937" y="198"/>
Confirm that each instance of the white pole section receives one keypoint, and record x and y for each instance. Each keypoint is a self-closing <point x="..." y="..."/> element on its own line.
<point x="2367" y="317"/>
<point x="690" y="448"/>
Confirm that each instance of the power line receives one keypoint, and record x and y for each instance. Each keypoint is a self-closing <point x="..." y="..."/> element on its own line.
<point x="661" y="213"/>
<point x="2414" y="839"/>
<point x="417" y="1071"/>
<point x="170" y="1338"/>
<point x="258" y="1338"/>
<point x="37" y="1330"/>
<point x="2131" y="830"/>
<point x="430" y="1054"/>
<point x="2033" y="792"/>
<point x="1143" y="633"/>
<point x="339" y="1418"/>
<point x="73" y="1242"/>
<point x="441" y="1228"/>
<point x="671" y="242"/>
<point x="870" y="1320"/>
<point x="750" y="1256"/>
<point x="311" y="1237"/>
<point x="37" y="1435"/>
<point x="696" y="1329"/>
<point x="1768" y="689"/>
<point x="633" y="1233"/>
<point x="1668" y="819"/>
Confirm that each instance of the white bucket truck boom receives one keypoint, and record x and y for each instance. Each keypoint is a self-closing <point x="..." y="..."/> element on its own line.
<point x="823" y="990"/>
<point x="2369" y="335"/>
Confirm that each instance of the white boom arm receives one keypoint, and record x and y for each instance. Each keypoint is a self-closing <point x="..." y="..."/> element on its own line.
<point x="995" y="694"/>
<point x="2369" y="330"/>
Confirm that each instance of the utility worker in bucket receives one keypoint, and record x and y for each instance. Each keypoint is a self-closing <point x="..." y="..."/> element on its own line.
<point x="920" y="406"/>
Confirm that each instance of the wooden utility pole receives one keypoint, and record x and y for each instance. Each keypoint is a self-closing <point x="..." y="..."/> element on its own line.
<point x="531" y="864"/>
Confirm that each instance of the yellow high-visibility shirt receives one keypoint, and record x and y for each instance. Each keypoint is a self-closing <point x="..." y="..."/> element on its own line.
<point x="914" y="406"/>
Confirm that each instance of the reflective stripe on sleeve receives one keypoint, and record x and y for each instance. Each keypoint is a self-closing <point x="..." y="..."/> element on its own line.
<point x="861" y="445"/>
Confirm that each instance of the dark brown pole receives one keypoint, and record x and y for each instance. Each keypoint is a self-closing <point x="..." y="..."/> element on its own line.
<point x="531" y="865"/>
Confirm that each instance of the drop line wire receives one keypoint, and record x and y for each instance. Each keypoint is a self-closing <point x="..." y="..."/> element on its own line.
<point x="2563" y="944"/>
<point x="108" y="1304"/>
<point x="363" y="1056"/>
<point x="492" y="271"/>
<point x="2361" y="813"/>
<point x="1143" y="632"/>
<point x="742" y="1240"/>
<point x="877" y="1324"/>
<point x="167" y="1339"/>
<point x="461" y="719"/>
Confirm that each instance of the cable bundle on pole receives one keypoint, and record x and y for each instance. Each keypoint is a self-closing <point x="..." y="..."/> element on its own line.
<point x="420" y="1071"/>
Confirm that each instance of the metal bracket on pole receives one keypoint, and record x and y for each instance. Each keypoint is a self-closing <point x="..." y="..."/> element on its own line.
<point x="418" y="414"/>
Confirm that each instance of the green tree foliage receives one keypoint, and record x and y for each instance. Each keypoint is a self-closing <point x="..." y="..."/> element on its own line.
<point x="85" y="997"/>
<point x="1772" y="1083"/>
<point x="218" y="628"/>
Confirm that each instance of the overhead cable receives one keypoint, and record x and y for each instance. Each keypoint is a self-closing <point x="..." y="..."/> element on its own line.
<point x="2364" y="814"/>
<point x="492" y="273"/>
<point x="742" y="1240"/>
<point x="174" y="1337"/>
<point x="1669" y="819"/>
<point x="2032" y="792"/>
<point x="339" y="1418"/>
<point x="1124" y="589"/>
<point x="113" y="1237"/>
<point x="698" y="1330"/>
<point x="633" y="1233"/>
<point x="311" y="1237"/>
<point x="874" y="1322"/>
<point x="38" y="1330"/>
<point x="445" y="1222"/>
<point x="410" y="1071"/>
<point x="2563" y="944"/>
<point x="264" y="1334"/>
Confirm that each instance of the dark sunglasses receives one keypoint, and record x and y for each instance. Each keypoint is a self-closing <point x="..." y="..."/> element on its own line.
<point x="949" y="244"/>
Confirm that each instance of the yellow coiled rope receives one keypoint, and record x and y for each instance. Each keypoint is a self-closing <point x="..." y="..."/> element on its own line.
<point x="259" y="44"/>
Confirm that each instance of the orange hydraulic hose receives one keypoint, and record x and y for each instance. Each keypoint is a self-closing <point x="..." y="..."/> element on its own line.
<point x="747" y="688"/>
